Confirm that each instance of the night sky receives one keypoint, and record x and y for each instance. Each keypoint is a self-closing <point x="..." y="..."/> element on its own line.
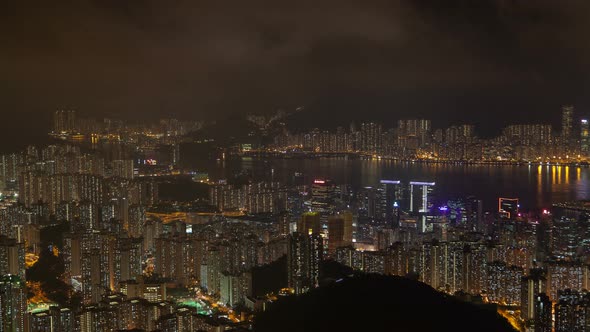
<point x="484" y="62"/>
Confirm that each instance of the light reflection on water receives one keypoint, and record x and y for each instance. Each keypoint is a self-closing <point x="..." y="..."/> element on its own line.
<point x="537" y="186"/>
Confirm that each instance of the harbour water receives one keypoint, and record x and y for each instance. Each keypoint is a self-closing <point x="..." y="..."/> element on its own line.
<point x="537" y="186"/>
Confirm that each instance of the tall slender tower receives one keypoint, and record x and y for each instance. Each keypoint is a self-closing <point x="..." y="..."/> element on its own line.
<point x="305" y="252"/>
<point x="64" y="121"/>
<point x="585" y="137"/>
<point x="13" y="303"/>
<point x="567" y="114"/>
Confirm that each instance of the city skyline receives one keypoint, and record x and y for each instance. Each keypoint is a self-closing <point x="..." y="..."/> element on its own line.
<point x="122" y="242"/>
<point x="265" y="166"/>
<point x="408" y="139"/>
<point x="195" y="62"/>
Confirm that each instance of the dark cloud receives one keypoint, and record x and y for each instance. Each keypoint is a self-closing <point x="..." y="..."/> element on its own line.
<point x="451" y="60"/>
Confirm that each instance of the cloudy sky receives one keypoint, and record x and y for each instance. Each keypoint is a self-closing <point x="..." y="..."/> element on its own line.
<point x="487" y="62"/>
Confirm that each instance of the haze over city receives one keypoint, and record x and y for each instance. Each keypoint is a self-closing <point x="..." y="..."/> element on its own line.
<point x="492" y="62"/>
<point x="269" y="166"/>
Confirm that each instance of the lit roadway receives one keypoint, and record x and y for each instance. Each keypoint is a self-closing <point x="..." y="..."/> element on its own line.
<point x="513" y="317"/>
<point x="211" y="302"/>
<point x="168" y="217"/>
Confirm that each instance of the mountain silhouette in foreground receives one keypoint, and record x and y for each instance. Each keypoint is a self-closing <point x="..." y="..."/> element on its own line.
<point x="378" y="303"/>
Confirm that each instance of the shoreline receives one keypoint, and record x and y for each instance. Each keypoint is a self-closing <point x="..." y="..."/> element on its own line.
<point x="355" y="156"/>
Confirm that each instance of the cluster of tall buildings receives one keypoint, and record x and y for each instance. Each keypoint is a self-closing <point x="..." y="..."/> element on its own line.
<point x="261" y="197"/>
<point x="124" y="281"/>
<point x="137" y="262"/>
<point x="148" y="143"/>
<point x="415" y="138"/>
<point x="67" y="123"/>
<point x="124" y="250"/>
<point x="536" y="265"/>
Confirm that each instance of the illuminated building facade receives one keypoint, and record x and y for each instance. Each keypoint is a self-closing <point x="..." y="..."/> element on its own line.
<point x="390" y="196"/>
<point x="123" y="169"/>
<point x="370" y="137"/>
<point x="64" y="121"/>
<point x="566" y="275"/>
<point x="567" y="114"/>
<point x="260" y="197"/>
<point x="508" y="207"/>
<point x="572" y="311"/>
<point x="504" y="283"/>
<point x="322" y="197"/>
<point x="309" y="223"/>
<point x="53" y="319"/>
<point x="13" y="303"/>
<point x="12" y="257"/>
<point x="585" y="137"/>
<point x="304" y="255"/>
<point x="424" y="189"/>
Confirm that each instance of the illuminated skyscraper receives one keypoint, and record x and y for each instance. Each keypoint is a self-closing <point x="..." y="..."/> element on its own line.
<point x="64" y="121"/>
<point x="175" y="154"/>
<point x="322" y="197"/>
<point x="533" y="286"/>
<point x="474" y="272"/>
<point x="565" y="275"/>
<point x="90" y="188"/>
<point x="543" y="314"/>
<point x="585" y="137"/>
<point x="309" y="223"/>
<point x="336" y="228"/>
<point x="425" y="190"/>
<point x="54" y="319"/>
<point x="370" y="137"/>
<point x="474" y="210"/>
<point x="528" y="134"/>
<point x="97" y="264"/>
<point x="91" y="277"/>
<point x="89" y="216"/>
<point x="508" y="207"/>
<point x="348" y="227"/>
<point x="571" y="311"/>
<point x="12" y="257"/>
<point x="172" y="253"/>
<point x="137" y="218"/>
<point x="128" y="259"/>
<point x="234" y="287"/>
<point x="123" y="168"/>
<point x="13" y="304"/>
<point x="368" y="203"/>
<point x="303" y="261"/>
<point x="567" y="114"/>
<point x="389" y="199"/>
<point x="414" y="130"/>
<point x="504" y="282"/>
<point x="283" y="223"/>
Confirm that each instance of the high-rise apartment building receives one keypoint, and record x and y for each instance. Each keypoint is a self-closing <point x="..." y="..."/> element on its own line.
<point x="309" y="223"/>
<point x="123" y="168"/>
<point x="304" y="255"/>
<point x="13" y="303"/>
<point x="64" y="121"/>
<point x="390" y="195"/>
<point x="370" y="137"/>
<point x="12" y="257"/>
<point x="424" y="189"/>
<point x="336" y="228"/>
<point x="585" y="137"/>
<point x="572" y="311"/>
<point x="567" y="115"/>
